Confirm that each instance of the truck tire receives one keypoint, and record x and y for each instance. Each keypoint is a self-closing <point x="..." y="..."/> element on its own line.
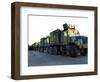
<point x="73" y="50"/>
<point x="84" y="52"/>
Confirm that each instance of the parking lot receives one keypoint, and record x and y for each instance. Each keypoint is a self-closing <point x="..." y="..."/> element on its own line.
<point x="36" y="58"/>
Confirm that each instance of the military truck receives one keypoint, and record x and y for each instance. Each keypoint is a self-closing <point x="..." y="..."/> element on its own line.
<point x="74" y="44"/>
<point x="55" y="42"/>
<point x="66" y="42"/>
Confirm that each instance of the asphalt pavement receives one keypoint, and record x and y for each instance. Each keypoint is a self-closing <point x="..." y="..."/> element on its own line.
<point x="36" y="58"/>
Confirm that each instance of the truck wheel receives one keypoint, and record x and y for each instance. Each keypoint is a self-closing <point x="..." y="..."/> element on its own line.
<point x="73" y="50"/>
<point x="84" y="52"/>
<point x="73" y="54"/>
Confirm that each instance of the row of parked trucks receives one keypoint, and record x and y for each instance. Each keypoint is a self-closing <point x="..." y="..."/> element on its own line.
<point x="67" y="42"/>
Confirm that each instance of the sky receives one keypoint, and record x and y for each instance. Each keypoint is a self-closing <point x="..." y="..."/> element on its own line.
<point x="41" y="25"/>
